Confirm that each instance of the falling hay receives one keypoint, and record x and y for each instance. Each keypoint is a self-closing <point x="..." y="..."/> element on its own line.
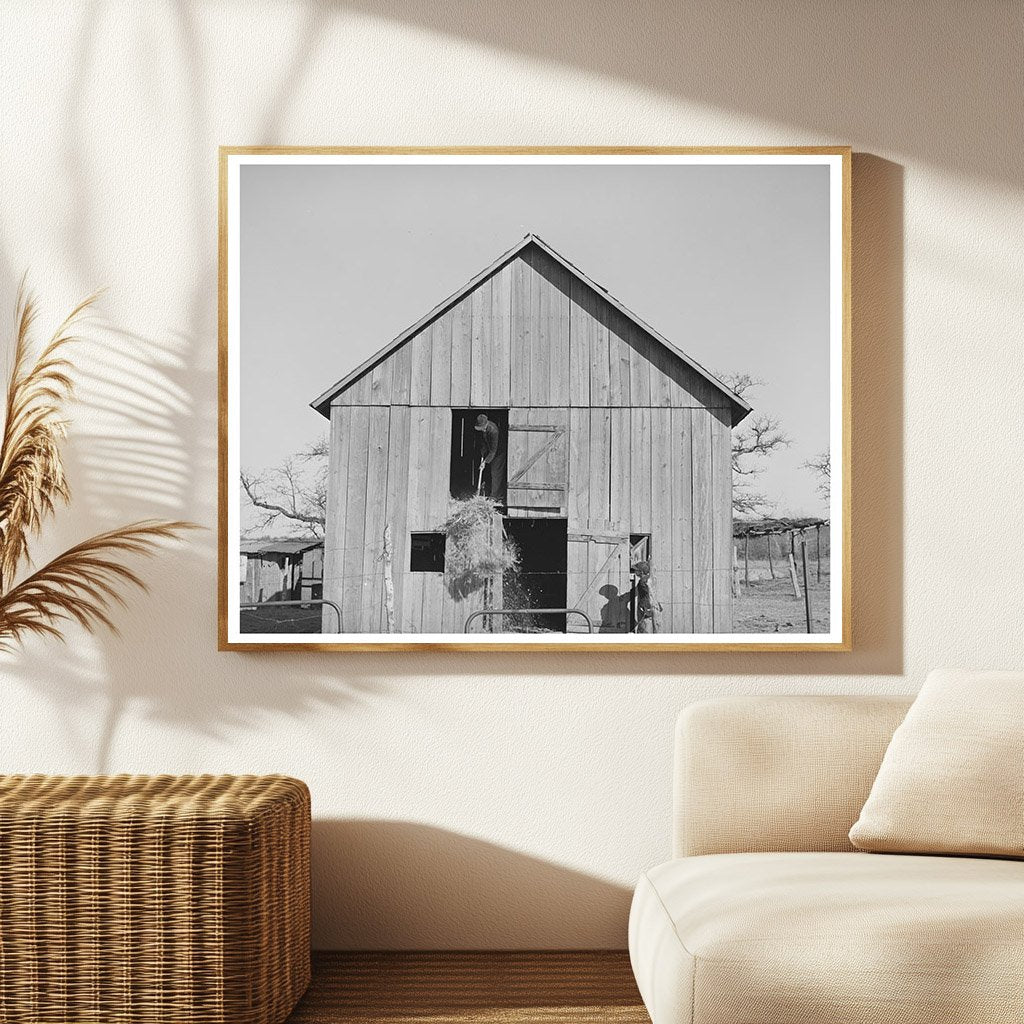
<point x="477" y="549"/>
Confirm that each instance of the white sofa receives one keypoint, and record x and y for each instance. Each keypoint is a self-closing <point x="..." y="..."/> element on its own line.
<point x="767" y="914"/>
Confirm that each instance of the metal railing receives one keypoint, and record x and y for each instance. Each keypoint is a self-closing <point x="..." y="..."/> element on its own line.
<point x="254" y="606"/>
<point x="531" y="611"/>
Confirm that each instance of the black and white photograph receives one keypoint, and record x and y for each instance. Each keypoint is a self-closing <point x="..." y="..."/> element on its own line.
<point x="534" y="399"/>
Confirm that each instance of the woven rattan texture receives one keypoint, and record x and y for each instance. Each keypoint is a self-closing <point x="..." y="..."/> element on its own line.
<point x="144" y="899"/>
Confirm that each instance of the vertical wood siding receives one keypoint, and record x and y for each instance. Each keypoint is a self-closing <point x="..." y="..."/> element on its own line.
<point x="702" y="518"/>
<point x="663" y="472"/>
<point x="666" y="532"/>
<point x="619" y="466"/>
<point x="335" y="533"/>
<point x="681" y="559"/>
<point x="419" y="487"/>
<point x="721" y="524"/>
<point x="355" y="516"/>
<point x="531" y="335"/>
<point x="644" y="471"/>
<point x="372" y="583"/>
<point x="522" y="333"/>
<point x="396" y="508"/>
<point x="501" y="339"/>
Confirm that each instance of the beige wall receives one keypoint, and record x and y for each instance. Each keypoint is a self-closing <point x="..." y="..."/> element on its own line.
<point x="478" y="800"/>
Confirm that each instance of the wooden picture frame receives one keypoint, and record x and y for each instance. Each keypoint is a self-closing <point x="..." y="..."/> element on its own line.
<point x="534" y="359"/>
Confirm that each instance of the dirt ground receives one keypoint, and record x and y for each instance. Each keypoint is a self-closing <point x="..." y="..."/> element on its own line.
<point x="281" y="620"/>
<point x="770" y="607"/>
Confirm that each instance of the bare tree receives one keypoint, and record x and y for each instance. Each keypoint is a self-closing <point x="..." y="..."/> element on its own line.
<point x="821" y="466"/>
<point x="759" y="436"/>
<point x="295" y="490"/>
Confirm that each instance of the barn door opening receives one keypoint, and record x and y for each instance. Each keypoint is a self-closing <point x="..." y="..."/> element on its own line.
<point x="599" y="581"/>
<point x="540" y="579"/>
<point x="466" y="449"/>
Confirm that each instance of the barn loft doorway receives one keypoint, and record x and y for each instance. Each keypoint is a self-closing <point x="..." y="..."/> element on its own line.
<point x="465" y="462"/>
<point x="540" y="580"/>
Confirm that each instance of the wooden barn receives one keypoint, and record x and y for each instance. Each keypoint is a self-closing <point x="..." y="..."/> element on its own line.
<point x="617" y="447"/>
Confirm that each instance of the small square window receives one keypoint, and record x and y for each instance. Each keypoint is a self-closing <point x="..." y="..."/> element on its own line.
<point x="426" y="552"/>
<point x="639" y="548"/>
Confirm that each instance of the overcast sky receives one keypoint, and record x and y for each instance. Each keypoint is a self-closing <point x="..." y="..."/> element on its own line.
<point x="728" y="262"/>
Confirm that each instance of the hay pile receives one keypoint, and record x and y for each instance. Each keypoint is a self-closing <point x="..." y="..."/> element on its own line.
<point x="477" y="549"/>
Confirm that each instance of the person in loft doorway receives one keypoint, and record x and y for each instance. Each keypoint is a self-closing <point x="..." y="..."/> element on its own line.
<point x="491" y="475"/>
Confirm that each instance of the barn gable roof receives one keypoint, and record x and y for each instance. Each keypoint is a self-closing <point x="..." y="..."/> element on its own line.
<point x="322" y="404"/>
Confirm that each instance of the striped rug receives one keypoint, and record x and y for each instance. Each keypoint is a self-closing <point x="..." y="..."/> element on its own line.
<point x="467" y="988"/>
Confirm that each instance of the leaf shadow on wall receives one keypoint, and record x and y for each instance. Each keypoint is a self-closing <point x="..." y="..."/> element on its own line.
<point x="405" y="885"/>
<point x="146" y="442"/>
<point x="138" y="453"/>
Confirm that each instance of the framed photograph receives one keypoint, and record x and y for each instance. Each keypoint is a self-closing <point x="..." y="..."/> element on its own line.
<point x="550" y="398"/>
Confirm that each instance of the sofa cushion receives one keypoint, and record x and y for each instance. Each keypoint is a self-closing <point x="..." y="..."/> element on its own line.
<point x="790" y="938"/>
<point x="789" y="772"/>
<point x="950" y="781"/>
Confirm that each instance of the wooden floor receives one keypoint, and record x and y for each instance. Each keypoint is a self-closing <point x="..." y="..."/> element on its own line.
<point x="465" y="988"/>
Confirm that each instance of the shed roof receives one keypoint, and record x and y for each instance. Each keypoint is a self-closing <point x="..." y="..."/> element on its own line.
<point x="283" y="546"/>
<point x="322" y="403"/>
<point x="767" y="525"/>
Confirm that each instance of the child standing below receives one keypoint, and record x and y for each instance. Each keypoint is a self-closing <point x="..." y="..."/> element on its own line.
<point x="644" y="600"/>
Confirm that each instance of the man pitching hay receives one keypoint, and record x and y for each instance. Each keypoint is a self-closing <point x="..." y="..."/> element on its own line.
<point x="491" y="479"/>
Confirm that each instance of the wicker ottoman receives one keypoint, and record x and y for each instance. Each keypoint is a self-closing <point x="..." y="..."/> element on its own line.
<point x="131" y="899"/>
